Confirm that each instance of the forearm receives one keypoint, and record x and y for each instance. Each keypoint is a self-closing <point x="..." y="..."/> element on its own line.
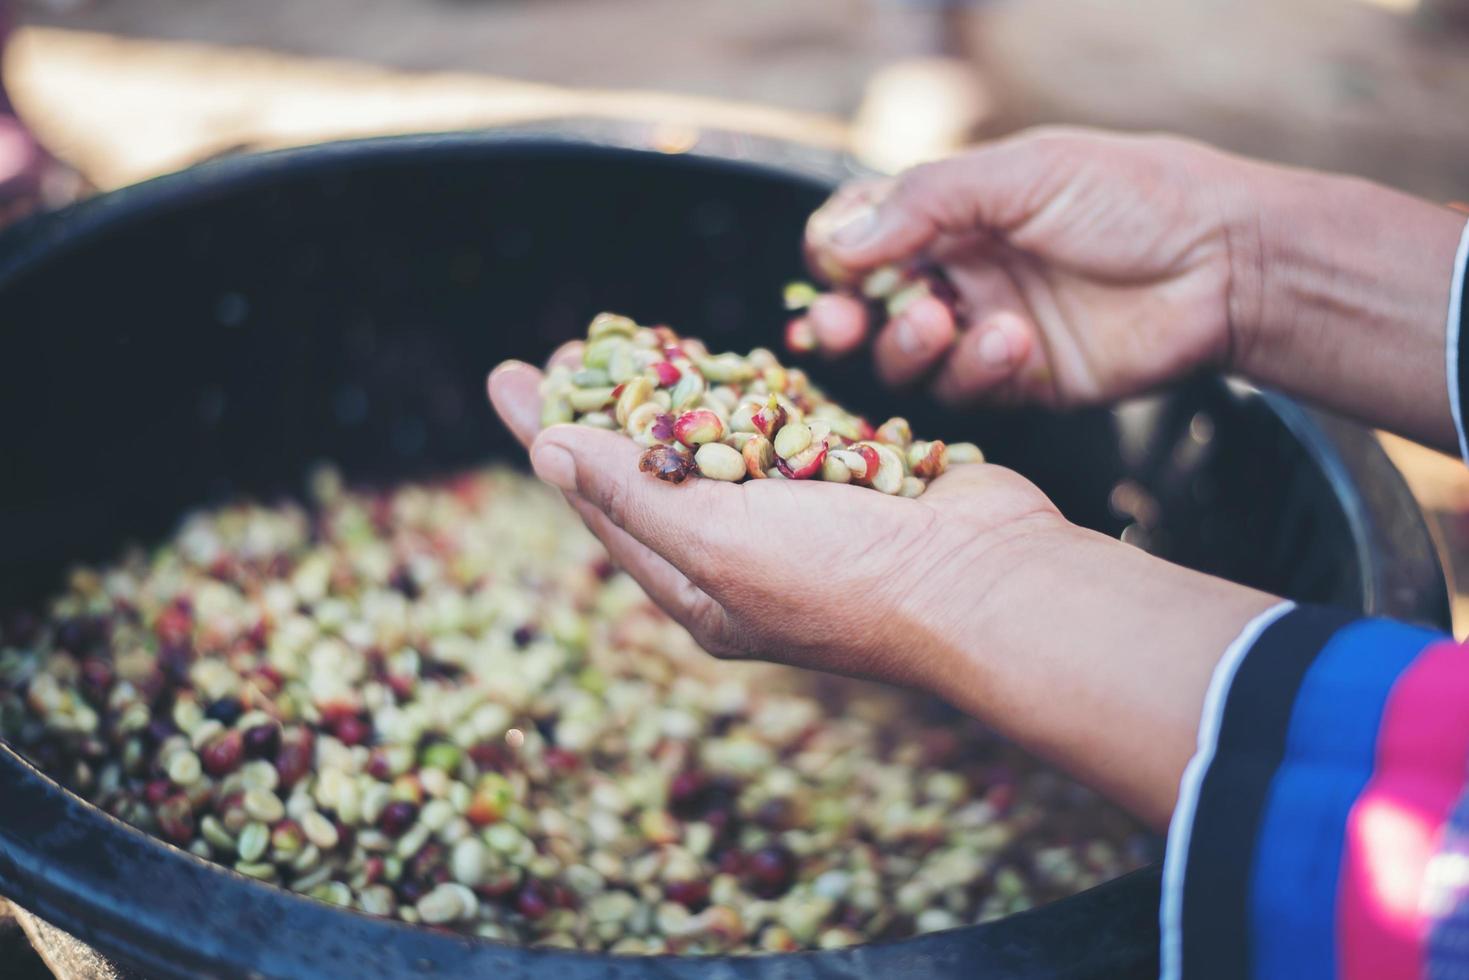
<point x="1097" y="657"/>
<point x="1340" y="297"/>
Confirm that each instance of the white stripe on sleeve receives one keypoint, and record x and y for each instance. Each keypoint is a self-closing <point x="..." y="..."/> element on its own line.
<point x="1180" y="828"/>
<point x="1456" y="317"/>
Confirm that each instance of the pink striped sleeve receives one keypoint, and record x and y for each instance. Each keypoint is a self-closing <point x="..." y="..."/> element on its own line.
<point x="1396" y="825"/>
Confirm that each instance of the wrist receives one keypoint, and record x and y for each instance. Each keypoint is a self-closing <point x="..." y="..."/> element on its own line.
<point x="943" y="611"/>
<point x="1251" y="295"/>
<point x="1339" y="294"/>
<point x="1097" y="656"/>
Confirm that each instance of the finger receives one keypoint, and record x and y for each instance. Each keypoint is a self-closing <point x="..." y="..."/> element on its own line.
<point x="852" y="194"/>
<point x="686" y="524"/>
<point x="914" y="341"/>
<point x="515" y="391"/>
<point x="992" y="188"/>
<point x="568" y="355"/>
<point x="840" y="322"/>
<point x="986" y="357"/>
<point x="514" y="388"/>
<point x="852" y="202"/>
<point x="848" y="202"/>
<point x="684" y="601"/>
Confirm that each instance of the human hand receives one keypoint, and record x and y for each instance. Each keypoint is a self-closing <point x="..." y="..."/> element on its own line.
<point x="1087" y="266"/>
<point x="1092" y="266"/>
<point x="815" y="574"/>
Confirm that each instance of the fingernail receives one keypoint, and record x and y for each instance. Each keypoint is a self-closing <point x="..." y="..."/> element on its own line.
<point x="510" y="365"/>
<point x="910" y="338"/>
<point x="554" y="464"/>
<point x="857" y="228"/>
<point x="505" y="367"/>
<point x="994" y="348"/>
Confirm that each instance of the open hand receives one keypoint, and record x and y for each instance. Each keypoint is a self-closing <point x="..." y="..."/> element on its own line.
<point x="816" y="574"/>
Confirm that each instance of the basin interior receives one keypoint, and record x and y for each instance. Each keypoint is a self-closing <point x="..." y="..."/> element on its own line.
<point x="212" y="338"/>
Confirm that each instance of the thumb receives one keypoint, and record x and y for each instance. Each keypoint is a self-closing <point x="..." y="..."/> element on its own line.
<point x="986" y="190"/>
<point x="679" y="523"/>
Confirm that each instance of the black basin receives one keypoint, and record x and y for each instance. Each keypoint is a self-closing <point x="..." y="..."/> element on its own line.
<point x="218" y="331"/>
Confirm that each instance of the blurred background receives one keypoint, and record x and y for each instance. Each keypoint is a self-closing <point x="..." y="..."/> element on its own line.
<point x="126" y="88"/>
<point x="120" y="90"/>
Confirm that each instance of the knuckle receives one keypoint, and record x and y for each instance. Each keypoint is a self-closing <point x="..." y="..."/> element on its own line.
<point x="938" y="193"/>
<point x="918" y="183"/>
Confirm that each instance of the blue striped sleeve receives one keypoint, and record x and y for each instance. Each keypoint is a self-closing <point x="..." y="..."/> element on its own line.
<point x="1330" y="749"/>
<point x="1287" y="745"/>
